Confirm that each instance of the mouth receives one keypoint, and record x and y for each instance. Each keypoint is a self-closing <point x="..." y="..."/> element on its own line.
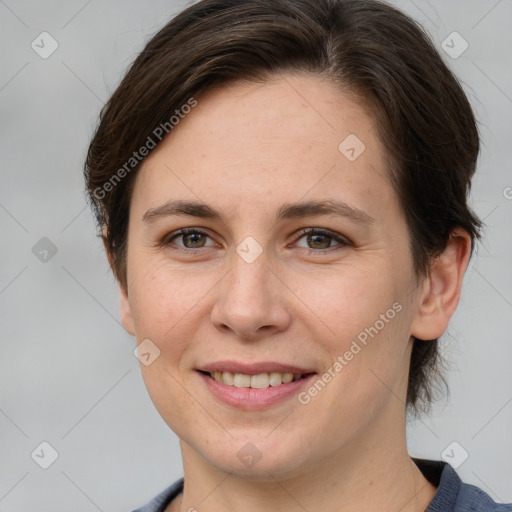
<point x="258" y="381"/>
<point x="255" y="386"/>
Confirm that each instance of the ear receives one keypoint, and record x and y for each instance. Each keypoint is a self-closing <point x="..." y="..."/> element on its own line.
<point x="124" y="303"/>
<point x="442" y="287"/>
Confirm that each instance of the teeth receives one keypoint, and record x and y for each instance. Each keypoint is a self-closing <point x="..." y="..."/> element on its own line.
<point x="275" y="379"/>
<point x="227" y="378"/>
<point x="287" y="377"/>
<point x="242" y="381"/>
<point x="260" y="381"/>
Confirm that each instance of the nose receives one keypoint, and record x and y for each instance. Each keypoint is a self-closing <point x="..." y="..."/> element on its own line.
<point x="251" y="300"/>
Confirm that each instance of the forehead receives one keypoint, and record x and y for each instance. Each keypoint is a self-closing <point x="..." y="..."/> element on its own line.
<point x="249" y="145"/>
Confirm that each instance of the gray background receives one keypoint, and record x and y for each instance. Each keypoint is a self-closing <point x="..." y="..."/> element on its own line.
<point x="67" y="372"/>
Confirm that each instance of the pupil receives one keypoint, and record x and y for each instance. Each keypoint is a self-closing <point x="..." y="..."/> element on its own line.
<point x="317" y="239"/>
<point x="194" y="237"/>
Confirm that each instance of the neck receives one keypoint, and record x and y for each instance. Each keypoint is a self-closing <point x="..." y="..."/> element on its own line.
<point x="374" y="473"/>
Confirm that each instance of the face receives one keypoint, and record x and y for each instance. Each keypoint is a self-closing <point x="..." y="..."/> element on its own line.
<point x="295" y="260"/>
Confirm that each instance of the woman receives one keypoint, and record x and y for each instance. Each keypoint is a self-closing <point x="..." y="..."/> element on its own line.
<point x="282" y="188"/>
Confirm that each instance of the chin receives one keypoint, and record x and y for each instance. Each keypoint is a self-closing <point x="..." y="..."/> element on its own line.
<point x="261" y="460"/>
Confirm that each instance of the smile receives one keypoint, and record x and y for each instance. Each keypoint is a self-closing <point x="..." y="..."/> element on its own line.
<point x="259" y="381"/>
<point x="250" y="387"/>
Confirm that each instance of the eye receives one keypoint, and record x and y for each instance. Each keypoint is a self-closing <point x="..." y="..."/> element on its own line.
<point x="317" y="240"/>
<point x="321" y="239"/>
<point x="191" y="238"/>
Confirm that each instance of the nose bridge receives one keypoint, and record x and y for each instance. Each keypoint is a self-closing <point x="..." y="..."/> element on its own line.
<point x="247" y="286"/>
<point x="248" y="299"/>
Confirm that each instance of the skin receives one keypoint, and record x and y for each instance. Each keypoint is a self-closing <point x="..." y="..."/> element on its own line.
<point x="245" y="150"/>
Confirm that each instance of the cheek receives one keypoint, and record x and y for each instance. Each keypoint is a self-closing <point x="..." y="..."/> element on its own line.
<point x="348" y="299"/>
<point x="177" y="409"/>
<point x="362" y="323"/>
<point x="163" y="298"/>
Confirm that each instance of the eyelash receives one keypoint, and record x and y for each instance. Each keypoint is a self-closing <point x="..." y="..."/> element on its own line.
<point x="343" y="242"/>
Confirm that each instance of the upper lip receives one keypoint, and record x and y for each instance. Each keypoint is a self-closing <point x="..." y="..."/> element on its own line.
<point x="253" y="368"/>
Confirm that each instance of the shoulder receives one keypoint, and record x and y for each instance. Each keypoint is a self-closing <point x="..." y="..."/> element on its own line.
<point x="474" y="499"/>
<point x="160" y="502"/>
<point x="454" y="495"/>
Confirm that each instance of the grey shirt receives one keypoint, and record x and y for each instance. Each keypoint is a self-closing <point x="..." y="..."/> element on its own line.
<point x="452" y="494"/>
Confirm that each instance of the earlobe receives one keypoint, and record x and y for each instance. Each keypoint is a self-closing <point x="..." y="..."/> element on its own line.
<point x="124" y="303"/>
<point x="442" y="287"/>
<point x="104" y="233"/>
<point x="126" y="311"/>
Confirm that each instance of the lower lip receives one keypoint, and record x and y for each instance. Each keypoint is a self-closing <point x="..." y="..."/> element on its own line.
<point x="251" y="399"/>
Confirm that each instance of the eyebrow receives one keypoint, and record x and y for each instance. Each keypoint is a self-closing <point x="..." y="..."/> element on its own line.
<point x="286" y="211"/>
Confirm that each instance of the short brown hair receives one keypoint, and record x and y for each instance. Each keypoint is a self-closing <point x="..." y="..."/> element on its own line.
<point x="366" y="47"/>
